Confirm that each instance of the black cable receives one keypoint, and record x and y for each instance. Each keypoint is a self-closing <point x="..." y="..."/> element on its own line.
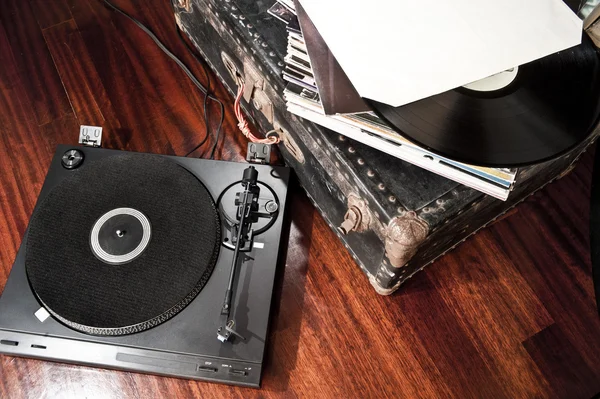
<point x="214" y="147"/>
<point x="204" y="90"/>
<point x="205" y="101"/>
<point x="201" y="62"/>
<point x="206" y="115"/>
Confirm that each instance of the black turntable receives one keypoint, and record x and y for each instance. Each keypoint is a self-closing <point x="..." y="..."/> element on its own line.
<point x="148" y="263"/>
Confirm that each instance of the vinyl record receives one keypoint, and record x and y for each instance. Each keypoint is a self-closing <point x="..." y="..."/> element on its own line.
<point x="528" y="115"/>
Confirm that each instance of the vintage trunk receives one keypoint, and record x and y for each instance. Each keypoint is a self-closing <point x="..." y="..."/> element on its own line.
<point x="394" y="218"/>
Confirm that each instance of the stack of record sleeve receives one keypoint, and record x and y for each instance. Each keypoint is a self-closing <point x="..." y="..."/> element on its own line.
<point x="303" y="99"/>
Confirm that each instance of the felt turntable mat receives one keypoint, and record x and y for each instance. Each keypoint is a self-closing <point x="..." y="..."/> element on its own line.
<point x="98" y="298"/>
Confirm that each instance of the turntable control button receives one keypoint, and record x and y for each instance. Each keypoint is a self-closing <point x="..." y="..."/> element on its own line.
<point x="238" y="372"/>
<point x="72" y="159"/>
<point x="208" y="369"/>
<point x="271" y="206"/>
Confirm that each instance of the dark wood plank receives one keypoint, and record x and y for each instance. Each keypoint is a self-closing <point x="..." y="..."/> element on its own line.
<point x="48" y="13"/>
<point x="158" y="108"/>
<point x="88" y="98"/>
<point x="508" y="314"/>
<point x="8" y="73"/>
<point x="23" y="378"/>
<point x="20" y="143"/>
<point x="495" y="328"/>
<point x="453" y="346"/>
<point x="34" y="62"/>
<point x="559" y="275"/>
<point x="137" y="109"/>
<point x="562" y="365"/>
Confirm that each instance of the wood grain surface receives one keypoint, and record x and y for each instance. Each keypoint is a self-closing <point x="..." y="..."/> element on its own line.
<point x="508" y="314"/>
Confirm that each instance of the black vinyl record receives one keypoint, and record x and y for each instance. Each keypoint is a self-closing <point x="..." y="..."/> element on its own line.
<point x="551" y="106"/>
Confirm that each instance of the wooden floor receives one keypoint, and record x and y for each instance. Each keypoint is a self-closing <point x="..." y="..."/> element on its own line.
<point x="508" y="314"/>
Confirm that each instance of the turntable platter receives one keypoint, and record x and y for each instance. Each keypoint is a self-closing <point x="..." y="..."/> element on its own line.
<point x="106" y="259"/>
